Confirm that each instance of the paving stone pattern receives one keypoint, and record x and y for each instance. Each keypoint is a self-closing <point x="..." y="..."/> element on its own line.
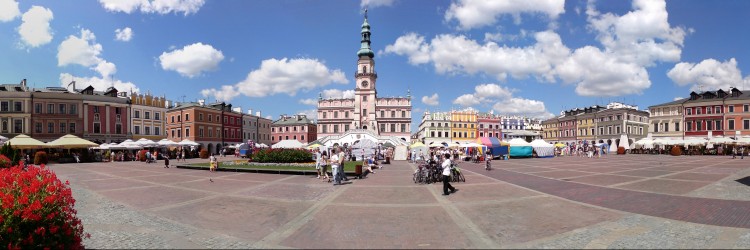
<point x="631" y="201"/>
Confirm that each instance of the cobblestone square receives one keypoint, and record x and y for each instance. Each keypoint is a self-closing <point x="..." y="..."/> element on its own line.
<point x="681" y="202"/>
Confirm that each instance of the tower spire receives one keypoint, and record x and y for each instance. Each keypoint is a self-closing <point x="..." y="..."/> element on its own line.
<point x="364" y="49"/>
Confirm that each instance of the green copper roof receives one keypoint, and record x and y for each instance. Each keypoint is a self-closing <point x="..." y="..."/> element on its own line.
<point x="365" y="50"/>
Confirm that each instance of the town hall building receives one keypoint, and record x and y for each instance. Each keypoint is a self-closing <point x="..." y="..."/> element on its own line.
<point x="382" y="119"/>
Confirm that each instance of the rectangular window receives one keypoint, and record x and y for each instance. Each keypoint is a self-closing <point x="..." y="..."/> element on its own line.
<point x="698" y="110"/>
<point x="179" y="133"/>
<point x="210" y="133"/>
<point x="38" y="108"/>
<point x="18" y="106"/>
<point x="61" y="108"/>
<point x="50" y="127"/>
<point x="4" y="106"/>
<point x="403" y="127"/>
<point x="62" y="127"/>
<point x="382" y="127"/>
<point x="731" y="108"/>
<point x="708" y="110"/>
<point x="717" y="109"/>
<point x="698" y="126"/>
<point x="364" y="112"/>
<point x="393" y="113"/>
<point x="147" y="130"/>
<point x="346" y="114"/>
<point x="137" y="130"/>
<point x="718" y="125"/>
<point x="677" y="126"/>
<point x="335" y="128"/>
<point x="73" y="109"/>
<point x="137" y="114"/>
<point x="117" y="118"/>
<point x="325" y="114"/>
<point x="38" y="127"/>
<point x="72" y="127"/>
<point x="117" y="110"/>
<point x="147" y="115"/>
<point x="709" y="126"/>
<point x="118" y="128"/>
<point x="689" y="126"/>
<point x="18" y="126"/>
<point x="745" y="124"/>
<point x="364" y="98"/>
<point x="200" y="132"/>
<point x="156" y="131"/>
<point x="689" y="111"/>
<point x="335" y="114"/>
<point x="382" y="113"/>
<point x="746" y="108"/>
<point x="393" y="128"/>
<point x="609" y="130"/>
<point x="96" y="109"/>
<point x="157" y="116"/>
<point x="730" y="124"/>
<point x="403" y="113"/>
<point x="187" y="132"/>
<point x="51" y="109"/>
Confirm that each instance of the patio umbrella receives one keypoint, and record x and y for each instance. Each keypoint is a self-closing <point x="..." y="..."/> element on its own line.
<point x="130" y="144"/>
<point x="187" y="142"/>
<point x="560" y="145"/>
<point x="314" y="146"/>
<point x="71" y="141"/>
<point x="25" y="142"/>
<point x="114" y="146"/>
<point x="720" y="140"/>
<point x="166" y="143"/>
<point x="146" y="142"/>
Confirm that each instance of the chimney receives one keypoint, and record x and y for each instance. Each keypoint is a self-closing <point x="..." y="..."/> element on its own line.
<point x="257" y="114"/>
<point x="237" y="109"/>
<point x="250" y="111"/>
<point x="23" y="83"/>
<point x="201" y="102"/>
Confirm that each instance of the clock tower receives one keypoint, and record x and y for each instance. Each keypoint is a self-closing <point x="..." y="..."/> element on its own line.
<point x="365" y="95"/>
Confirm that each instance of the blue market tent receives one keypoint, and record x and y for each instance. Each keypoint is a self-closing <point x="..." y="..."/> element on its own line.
<point x="496" y="147"/>
<point x="520" y="148"/>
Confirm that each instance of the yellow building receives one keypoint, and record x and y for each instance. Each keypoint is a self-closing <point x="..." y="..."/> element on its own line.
<point x="148" y="117"/>
<point x="586" y="127"/>
<point x="549" y="130"/>
<point x="464" y="125"/>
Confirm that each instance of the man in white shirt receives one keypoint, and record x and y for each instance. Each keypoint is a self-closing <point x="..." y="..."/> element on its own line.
<point x="335" y="166"/>
<point x="446" y="175"/>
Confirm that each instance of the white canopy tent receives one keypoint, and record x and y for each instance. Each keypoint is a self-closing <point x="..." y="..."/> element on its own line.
<point x="288" y="144"/>
<point x="187" y="142"/>
<point x="543" y="148"/>
<point x="745" y="140"/>
<point x="166" y="143"/>
<point x="695" y="142"/>
<point x="646" y="143"/>
<point x="721" y="140"/>
<point x="130" y="144"/>
<point x="624" y="142"/>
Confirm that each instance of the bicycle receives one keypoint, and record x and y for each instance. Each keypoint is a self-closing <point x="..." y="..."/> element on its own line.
<point x="457" y="176"/>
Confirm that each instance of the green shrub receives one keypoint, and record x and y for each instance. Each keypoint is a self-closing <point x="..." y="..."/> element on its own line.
<point x="40" y="158"/>
<point x="5" y="162"/>
<point x="282" y="156"/>
<point x="14" y="155"/>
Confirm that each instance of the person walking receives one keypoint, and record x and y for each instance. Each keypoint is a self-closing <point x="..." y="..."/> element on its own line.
<point x="342" y="159"/>
<point x="182" y="155"/>
<point x="213" y="164"/>
<point x="324" y="165"/>
<point x="447" y="175"/>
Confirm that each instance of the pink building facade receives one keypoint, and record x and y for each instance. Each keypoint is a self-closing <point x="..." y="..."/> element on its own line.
<point x="390" y="116"/>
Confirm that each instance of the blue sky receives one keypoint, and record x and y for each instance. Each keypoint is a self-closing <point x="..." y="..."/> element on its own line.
<point x="516" y="57"/>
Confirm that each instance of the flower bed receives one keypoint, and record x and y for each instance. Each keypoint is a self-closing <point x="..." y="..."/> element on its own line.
<point x="270" y="164"/>
<point x="37" y="210"/>
<point x="282" y="155"/>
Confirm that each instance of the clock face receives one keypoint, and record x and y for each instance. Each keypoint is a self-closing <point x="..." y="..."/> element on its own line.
<point x="365" y="84"/>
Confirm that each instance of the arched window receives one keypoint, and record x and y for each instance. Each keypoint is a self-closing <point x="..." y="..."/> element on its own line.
<point x="364" y="69"/>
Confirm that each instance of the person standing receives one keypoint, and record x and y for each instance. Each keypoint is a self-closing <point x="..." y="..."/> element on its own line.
<point x="212" y="165"/>
<point x="447" y="175"/>
<point x="342" y="159"/>
<point x="335" y="166"/>
<point x="324" y="165"/>
<point x="166" y="160"/>
<point x="318" y="162"/>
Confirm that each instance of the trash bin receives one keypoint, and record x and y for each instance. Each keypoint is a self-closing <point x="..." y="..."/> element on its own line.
<point x="358" y="170"/>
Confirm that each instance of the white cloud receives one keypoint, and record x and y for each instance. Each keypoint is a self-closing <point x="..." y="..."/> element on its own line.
<point x="375" y="3"/>
<point x="466" y="100"/>
<point x="311" y="101"/>
<point x="677" y="98"/>
<point x="284" y="76"/>
<point x="124" y="34"/>
<point x="458" y="54"/>
<point x="523" y="107"/>
<point x="310" y="113"/>
<point x="192" y="60"/>
<point x="600" y="74"/>
<point x="338" y="94"/>
<point x="226" y="93"/>
<point x="488" y="92"/>
<point x="86" y="52"/>
<point x="477" y="13"/>
<point x="710" y="74"/>
<point x="269" y="117"/>
<point x="99" y="83"/>
<point x="9" y="10"/>
<point x="630" y="43"/>
<point x="153" y="6"/>
<point x="642" y="36"/>
<point x="35" y="30"/>
<point x="431" y="100"/>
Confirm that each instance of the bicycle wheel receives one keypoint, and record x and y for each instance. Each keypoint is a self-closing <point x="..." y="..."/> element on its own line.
<point x="461" y="177"/>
